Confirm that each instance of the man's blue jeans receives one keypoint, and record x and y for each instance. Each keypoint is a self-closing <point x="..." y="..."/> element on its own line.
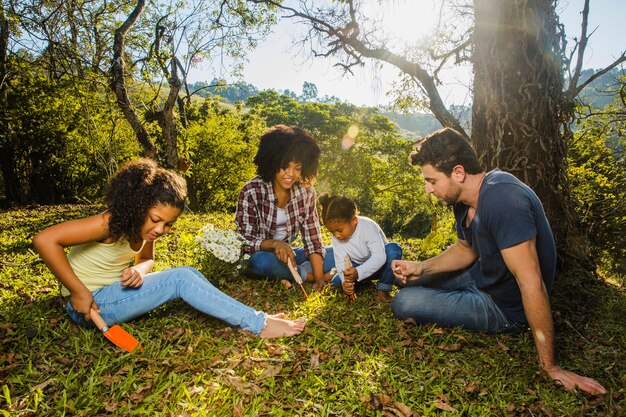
<point x="266" y="264"/>
<point x="384" y="275"/>
<point x="120" y="304"/>
<point x="451" y="300"/>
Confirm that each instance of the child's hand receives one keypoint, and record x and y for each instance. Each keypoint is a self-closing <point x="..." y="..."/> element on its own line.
<point x="132" y="277"/>
<point x="83" y="302"/>
<point x="351" y="274"/>
<point x="348" y="287"/>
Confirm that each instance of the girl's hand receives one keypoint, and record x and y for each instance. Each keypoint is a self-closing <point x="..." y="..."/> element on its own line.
<point x="406" y="270"/>
<point x="283" y="252"/>
<point x="83" y="302"/>
<point x="132" y="277"/>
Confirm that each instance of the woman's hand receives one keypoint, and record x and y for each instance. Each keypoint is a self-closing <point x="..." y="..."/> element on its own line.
<point x="132" y="277"/>
<point x="283" y="252"/>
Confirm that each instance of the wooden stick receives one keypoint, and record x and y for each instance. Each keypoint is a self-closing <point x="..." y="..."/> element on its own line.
<point x="348" y="264"/>
<point x="297" y="277"/>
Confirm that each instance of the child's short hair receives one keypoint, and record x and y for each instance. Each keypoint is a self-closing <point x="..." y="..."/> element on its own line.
<point x="337" y="208"/>
<point x="283" y="144"/>
<point x="136" y="187"/>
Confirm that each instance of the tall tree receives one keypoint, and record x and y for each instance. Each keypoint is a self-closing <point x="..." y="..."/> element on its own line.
<point x="520" y="107"/>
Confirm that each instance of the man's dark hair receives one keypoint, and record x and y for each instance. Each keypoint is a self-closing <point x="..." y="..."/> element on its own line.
<point x="281" y="145"/>
<point x="445" y="149"/>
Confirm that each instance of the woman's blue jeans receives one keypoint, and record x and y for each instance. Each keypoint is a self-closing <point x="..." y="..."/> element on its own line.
<point x="120" y="304"/>
<point x="384" y="275"/>
<point x="266" y="264"/>
<point x="451" y="300"/>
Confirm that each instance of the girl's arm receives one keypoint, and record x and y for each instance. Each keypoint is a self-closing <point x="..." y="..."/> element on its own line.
<point x="50" y="244"/>
<point x="144" y="262"/>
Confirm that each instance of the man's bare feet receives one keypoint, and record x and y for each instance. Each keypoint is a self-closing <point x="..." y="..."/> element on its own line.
<point x="383" y="296"/>
<point x="279" y="327"/>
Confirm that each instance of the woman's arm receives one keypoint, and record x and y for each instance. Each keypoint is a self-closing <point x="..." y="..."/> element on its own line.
<point x="51" y="242"/>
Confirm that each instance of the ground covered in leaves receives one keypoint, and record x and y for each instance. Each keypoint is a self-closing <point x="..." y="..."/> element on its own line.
<point x="354" y="359"/>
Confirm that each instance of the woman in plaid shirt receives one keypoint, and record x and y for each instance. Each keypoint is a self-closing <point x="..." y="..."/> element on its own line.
<point x="280" y="202"/>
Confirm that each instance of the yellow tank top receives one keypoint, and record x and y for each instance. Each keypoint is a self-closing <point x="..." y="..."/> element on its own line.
<point x="100" y="264"/>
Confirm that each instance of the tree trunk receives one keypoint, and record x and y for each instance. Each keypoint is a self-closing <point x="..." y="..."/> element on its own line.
<point x="12" y="189"/>
<point x="518" y="90"/>
<point x="118" y="82"/>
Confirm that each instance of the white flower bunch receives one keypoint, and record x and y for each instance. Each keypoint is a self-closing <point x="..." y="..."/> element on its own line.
<point x="225" y="245"/>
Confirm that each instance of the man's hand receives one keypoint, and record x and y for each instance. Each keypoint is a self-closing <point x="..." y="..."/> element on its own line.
<point x="571" y="381"/>
<point x="406" y="270"/>
<point x="283" y="252"/>
<point x="132" y="277"/>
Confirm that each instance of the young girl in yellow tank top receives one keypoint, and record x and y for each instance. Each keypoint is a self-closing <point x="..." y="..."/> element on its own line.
<point x="143" y="203"/>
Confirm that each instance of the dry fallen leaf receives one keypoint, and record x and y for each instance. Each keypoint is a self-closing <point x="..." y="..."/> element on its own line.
<point x="443" y="406"/>
<point x="454" y="347"/>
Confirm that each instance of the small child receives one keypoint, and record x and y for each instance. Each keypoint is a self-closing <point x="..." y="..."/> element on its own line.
<point x="98" y="274"/>
<point x="363" y="241"/>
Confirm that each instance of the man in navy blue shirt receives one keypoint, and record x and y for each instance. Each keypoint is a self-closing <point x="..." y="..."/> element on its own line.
<point x="498" y="275"/>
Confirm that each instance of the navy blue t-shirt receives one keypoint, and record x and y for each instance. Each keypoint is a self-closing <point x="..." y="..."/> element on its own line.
<point x="508" y="213"/>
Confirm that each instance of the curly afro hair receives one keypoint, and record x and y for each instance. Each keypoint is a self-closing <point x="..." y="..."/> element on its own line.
<point x="337" y="208"/>
<point x="283" y="144"/>
<point x="138" y="186"/>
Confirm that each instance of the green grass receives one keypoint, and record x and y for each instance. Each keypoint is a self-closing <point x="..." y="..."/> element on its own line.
<point x="355" y="359"/>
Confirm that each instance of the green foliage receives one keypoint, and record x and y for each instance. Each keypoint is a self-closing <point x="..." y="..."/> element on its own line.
<point x="222" y="144"/>
<point x="363" y="157"/>
<point x="597" y="174"/>
<point x="63" y="139"/>
<point x="353" y="359"/>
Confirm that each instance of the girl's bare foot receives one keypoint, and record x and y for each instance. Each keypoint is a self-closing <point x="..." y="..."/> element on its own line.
<point x="278" y="315"/>
<point x="279" y="327"/>
<point x="285" y="283"/>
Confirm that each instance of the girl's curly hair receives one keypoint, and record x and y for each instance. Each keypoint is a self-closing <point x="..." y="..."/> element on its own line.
<point x="138" y="186"/>
<point x="283" y="144"/>
<point x="337" y="208"/>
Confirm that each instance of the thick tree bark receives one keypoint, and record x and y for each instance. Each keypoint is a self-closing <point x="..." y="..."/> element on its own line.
<point x="518" y="93"/>
<point x="118" y="82"/>
<point x="12" y="189"/>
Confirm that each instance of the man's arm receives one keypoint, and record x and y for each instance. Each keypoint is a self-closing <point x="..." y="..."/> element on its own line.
<point x="456" y="257"/>
<point x="523" y="262"/>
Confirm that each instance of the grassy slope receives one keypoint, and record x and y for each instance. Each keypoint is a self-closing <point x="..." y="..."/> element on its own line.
<point x="354" y="359"/>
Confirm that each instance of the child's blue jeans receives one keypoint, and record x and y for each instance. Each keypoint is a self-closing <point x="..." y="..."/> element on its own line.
<point x="384" y="275"/>
<point x="451" y="300"/>
<point x="266" y="264"/>
<point x="120" y="304"/>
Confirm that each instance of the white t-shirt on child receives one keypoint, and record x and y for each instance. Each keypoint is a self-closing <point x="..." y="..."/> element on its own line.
<point x="366" y="248"/>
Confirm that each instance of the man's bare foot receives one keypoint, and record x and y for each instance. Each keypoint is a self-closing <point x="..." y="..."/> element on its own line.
<point x="285" y="283"/>
<point x="279" y="327"/>
<point x="383" y="296"/>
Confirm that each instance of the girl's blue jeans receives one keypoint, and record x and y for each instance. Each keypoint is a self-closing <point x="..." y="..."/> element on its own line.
<point x="451" y="300"/>
<point x="120" y="304"/>
<point x="266" y="264"/>
<point x="384" y="275"/>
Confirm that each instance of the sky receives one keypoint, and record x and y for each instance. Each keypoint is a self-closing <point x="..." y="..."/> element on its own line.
<point x="275" y="64"/>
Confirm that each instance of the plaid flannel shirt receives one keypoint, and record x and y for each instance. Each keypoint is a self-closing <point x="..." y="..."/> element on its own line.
<point x="257" y="212"/>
